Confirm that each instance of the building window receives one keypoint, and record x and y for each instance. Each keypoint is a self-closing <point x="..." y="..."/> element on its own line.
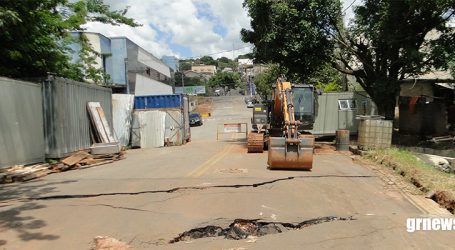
<point x="347" y="104"/>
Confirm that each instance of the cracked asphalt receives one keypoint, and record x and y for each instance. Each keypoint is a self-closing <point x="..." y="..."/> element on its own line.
<point x="155" y="195"/>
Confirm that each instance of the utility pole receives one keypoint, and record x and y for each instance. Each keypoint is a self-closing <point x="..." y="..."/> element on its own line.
<point x="233" y="57"/>
<point x="250" y="85"/>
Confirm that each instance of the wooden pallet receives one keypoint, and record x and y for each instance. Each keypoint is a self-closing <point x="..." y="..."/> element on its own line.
<point x="78" y="160"/>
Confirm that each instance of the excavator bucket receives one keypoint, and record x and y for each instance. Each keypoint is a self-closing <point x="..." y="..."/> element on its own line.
<point x="292" y="156"/>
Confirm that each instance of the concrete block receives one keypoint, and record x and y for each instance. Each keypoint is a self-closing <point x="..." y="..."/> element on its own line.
<point x="105" y="148"/>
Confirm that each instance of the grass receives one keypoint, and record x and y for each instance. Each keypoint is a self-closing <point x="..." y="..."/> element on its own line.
<point x="422" y="175"/>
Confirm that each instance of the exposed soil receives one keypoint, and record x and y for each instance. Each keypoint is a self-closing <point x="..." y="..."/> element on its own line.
<point x="324" y="148"/>
<point x="204" y="105"/>
<point x="443" y="198"/>
<point x="242" y="229"/>
<point x="415" y="177"/>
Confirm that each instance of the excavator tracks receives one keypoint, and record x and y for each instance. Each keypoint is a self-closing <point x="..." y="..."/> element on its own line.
<point x="255" y="142"/>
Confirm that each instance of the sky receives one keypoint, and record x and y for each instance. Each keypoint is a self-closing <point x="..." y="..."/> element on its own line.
<point x="185" y="28"/>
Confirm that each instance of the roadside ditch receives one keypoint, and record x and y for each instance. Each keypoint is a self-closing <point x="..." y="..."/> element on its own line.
<point x="436" y="185"/>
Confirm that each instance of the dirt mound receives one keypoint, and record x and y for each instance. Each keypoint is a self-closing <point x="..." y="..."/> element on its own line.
<point x="108" y="243"/>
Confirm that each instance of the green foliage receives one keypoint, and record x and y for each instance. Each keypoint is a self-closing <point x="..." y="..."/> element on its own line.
<point x="327" y="79"/>
<point x="185" y="65"/>
<point x="87" y="60"/>
<point x="34" y="35"/>
<point x="293" y="34"/>
<point x="8" y="17"/>
<point x="231" y="80"/>
<point x="188" y="81"/>
<point x="451" y="65"/>
<point x="264" y="80"/>
<point x="414" y="170"/>
<point x="224" y="62"/>
<point x="207" y="60"/>
<point x="246" y="56"/>
<point x="328" y="87"/>
<point x="389" y="40"/>
<point x="393" y="40"/>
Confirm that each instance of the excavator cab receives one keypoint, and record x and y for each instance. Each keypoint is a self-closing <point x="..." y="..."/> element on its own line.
<point x="293" y="113"/>
<point x="304" y="105"/>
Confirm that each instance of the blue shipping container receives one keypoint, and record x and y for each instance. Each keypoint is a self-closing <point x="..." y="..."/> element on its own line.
<point x="158" y="101"/>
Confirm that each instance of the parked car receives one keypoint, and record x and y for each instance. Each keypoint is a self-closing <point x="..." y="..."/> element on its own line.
<point x="250" y="104"/>
<point x="195" y="119"/>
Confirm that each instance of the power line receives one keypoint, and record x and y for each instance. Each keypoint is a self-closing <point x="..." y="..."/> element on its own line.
<point x="219" y="52"/>
<point x="344" y="11"/>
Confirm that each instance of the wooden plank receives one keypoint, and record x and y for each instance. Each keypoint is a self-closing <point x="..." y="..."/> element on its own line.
<point x="75" y="158"/>
<point x="35" y="175"/>
<point x="90" y="161"/>
<point x="93" y="128"/>
<point x="96" y="119"/>
<point x="106" y="127"/>
<point x="60" y="168"/>
<point x="97" y="164"/>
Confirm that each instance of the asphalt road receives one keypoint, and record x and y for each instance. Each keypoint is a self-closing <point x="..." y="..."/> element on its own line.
<point x="154" y="195"/>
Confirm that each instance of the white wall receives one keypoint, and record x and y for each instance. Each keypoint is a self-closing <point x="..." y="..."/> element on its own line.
<point x="147" y="86"/>
<point x="94" y="40"/>
<point x="153" y="62"/>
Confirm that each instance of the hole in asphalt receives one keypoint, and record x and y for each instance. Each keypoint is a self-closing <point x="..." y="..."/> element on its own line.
<point x="242" y="229"/>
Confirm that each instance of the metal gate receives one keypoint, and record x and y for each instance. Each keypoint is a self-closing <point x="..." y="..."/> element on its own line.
<point x="175" y="127"/>
<point x="186" y="119"/>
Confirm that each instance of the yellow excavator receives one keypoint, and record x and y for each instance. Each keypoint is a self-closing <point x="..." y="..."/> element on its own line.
<point x="285" y="132"/>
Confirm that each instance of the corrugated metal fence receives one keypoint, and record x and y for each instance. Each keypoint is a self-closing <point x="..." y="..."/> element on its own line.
<point x="148" y="129"/>
<point x="21" y="123"/>
<point x="66" y="123"/>
<point x="176" y="127"/>
<point x="122" y="115"/>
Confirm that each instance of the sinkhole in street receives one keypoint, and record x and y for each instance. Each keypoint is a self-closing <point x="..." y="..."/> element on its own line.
<point x="243" y="228"/>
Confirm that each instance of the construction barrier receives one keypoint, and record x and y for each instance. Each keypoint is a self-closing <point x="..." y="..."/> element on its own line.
<point x="231" y="129"/>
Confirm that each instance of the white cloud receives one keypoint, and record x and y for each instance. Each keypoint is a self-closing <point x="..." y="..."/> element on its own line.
<point x="187" y="23"/>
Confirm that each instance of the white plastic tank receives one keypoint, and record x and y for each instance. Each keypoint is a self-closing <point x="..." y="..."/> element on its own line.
<point x="374" y="132"/>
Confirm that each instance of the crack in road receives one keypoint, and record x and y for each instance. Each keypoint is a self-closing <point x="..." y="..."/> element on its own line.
<point x="173" y="190"/>
<point x="123" y="208"/>
<point x="242" y="228"/>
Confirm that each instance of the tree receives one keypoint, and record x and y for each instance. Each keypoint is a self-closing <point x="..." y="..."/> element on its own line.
<point x="394" y="40"/>
<point x="292" y="34"/>
<point x="327" y="79"/>
<point x="229" y="80"/>
<point x="389" y="40"/>
<point x="34" y="34"/>
<point x="188" y="81"/>
<point x="88" y="69"/>
<point x="224" y="60"/>
<point x="245" y="56"/>
<point x="264" y="80"/>
<point x="184" y="65"/>
<point x="208" y="60"/>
